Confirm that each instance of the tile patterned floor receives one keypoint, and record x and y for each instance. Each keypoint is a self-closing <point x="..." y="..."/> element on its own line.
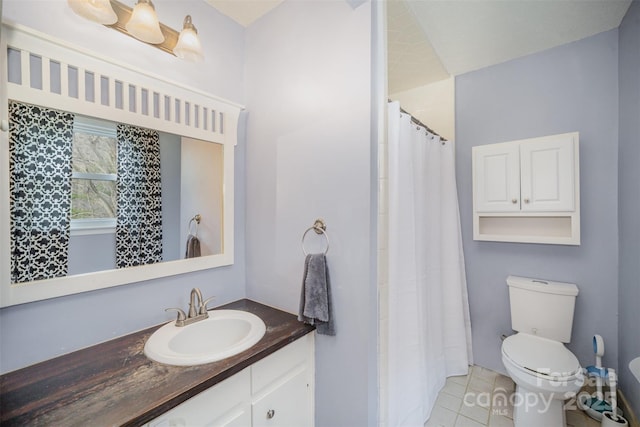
<point x="482" y="399"/>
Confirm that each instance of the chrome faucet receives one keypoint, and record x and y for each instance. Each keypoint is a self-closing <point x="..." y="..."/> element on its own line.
<point x="197" y="309"/>
<point x="194" y="309"/>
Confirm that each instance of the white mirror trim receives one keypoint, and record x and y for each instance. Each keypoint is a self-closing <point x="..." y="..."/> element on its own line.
<point x="31" y="42"/>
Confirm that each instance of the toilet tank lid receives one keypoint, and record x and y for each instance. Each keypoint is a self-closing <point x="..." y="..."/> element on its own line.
<point x="540" y="285"/>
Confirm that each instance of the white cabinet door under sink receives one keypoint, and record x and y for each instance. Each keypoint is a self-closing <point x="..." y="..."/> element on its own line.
<point x="277" y="391"/>
<point x="285" y="405"/>
<point x="224" y="405"/>
<point x="282" y="386"/>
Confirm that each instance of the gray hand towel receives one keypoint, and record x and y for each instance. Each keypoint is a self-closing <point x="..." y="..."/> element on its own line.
<point x="316" y="307"/>
<point x="193" y="247"/>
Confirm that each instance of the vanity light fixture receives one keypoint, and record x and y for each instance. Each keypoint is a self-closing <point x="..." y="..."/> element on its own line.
<point x="141" y="23"/>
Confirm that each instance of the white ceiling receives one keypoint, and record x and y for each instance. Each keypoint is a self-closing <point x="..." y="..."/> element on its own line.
<point x="466" y="35"/>
<point x="411" y="60"/>
<point x="244" y="12"/>
<point x="430" y="40"/>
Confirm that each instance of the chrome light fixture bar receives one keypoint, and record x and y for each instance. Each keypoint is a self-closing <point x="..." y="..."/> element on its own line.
<point x="128" y="21"/>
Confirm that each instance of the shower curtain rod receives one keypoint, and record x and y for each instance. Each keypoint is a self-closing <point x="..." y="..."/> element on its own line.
<point x="419" y="123"/>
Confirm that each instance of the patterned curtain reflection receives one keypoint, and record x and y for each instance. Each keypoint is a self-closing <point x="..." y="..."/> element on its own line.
<point x="40" y="147"/>
<point x="139" y="212"/>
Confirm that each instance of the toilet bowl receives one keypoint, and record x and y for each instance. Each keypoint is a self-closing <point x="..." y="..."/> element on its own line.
<point x="544" y="370"/>
<point x="545" y="373"/>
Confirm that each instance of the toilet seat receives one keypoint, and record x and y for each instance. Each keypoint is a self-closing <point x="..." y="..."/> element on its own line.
<point x="542" y="357"/>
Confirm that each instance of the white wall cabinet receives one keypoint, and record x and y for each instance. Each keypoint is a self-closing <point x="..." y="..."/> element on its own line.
<point x="277" y="391"/>
<point x="528" y="190"/>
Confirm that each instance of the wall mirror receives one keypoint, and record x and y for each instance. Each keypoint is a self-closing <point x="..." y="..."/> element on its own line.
<point x="106" y="107"/>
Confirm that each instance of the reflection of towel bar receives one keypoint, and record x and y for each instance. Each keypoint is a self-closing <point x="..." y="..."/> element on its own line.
<point x="195" y="219"/>
<point x="319" y="227"/>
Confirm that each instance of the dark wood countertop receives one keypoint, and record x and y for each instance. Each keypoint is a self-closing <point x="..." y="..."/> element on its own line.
<point x="114" y="383"/>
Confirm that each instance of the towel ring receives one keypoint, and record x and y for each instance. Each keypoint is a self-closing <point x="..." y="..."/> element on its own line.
<point x="320" y="228"/>
<point x="195" y="219"/>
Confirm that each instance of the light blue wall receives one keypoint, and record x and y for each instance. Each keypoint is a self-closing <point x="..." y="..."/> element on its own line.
<point x="37" y="331"/>
<point x="629" y="202"/>
<point x="573" y="87"/>
<point x="308" y="85"/>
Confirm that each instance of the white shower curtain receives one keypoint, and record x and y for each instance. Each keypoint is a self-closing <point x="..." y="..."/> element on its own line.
<point x="429" y="334"/>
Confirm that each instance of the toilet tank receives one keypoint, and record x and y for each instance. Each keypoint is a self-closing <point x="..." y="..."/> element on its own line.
<point x="542" y="307"/>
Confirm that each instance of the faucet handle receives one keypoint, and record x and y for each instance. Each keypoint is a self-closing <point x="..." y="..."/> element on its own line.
<point x="203" y="306"/>
<point x="181" y="315"/>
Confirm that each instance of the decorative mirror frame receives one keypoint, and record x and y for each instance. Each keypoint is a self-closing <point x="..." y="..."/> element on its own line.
<point x="113" y="91"/>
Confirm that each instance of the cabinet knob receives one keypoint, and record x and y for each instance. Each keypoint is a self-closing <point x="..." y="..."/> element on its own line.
<point x="526" y="200"/>
<point x="514" y="201"/>
<point x="270" y="414"/>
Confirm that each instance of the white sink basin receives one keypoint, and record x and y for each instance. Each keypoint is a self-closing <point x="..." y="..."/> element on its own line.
<point x="224" y="334"/>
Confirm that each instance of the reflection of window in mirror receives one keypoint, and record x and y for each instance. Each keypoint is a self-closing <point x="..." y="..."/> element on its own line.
<point x="94" y="176"/>
<point x="96" y="202"/>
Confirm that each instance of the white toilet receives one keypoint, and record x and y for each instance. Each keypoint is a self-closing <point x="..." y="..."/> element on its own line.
<point x="544" y="370"/>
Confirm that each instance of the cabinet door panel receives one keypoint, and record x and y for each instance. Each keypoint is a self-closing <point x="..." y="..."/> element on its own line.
<point x="275" y="366"/>
<point x="496" y="178"/>
<point x="547" y="177"/>
<point x="240" y="417"/>
<point x="223" y="405"/>
<point x="287" y="404"/>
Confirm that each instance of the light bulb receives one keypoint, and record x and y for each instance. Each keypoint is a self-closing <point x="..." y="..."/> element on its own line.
<point x="99" y="11"/>
<point x="188" y="46"/>
<point x="144" y="24"/>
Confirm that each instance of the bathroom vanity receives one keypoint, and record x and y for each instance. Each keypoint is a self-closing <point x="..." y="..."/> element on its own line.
<point x="114" y="383"/>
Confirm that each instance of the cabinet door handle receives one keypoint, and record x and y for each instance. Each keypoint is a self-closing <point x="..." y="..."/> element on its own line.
<point x="514" y="201"/>
<point x="526" y="200"/>
<point x="270" y="414"/>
